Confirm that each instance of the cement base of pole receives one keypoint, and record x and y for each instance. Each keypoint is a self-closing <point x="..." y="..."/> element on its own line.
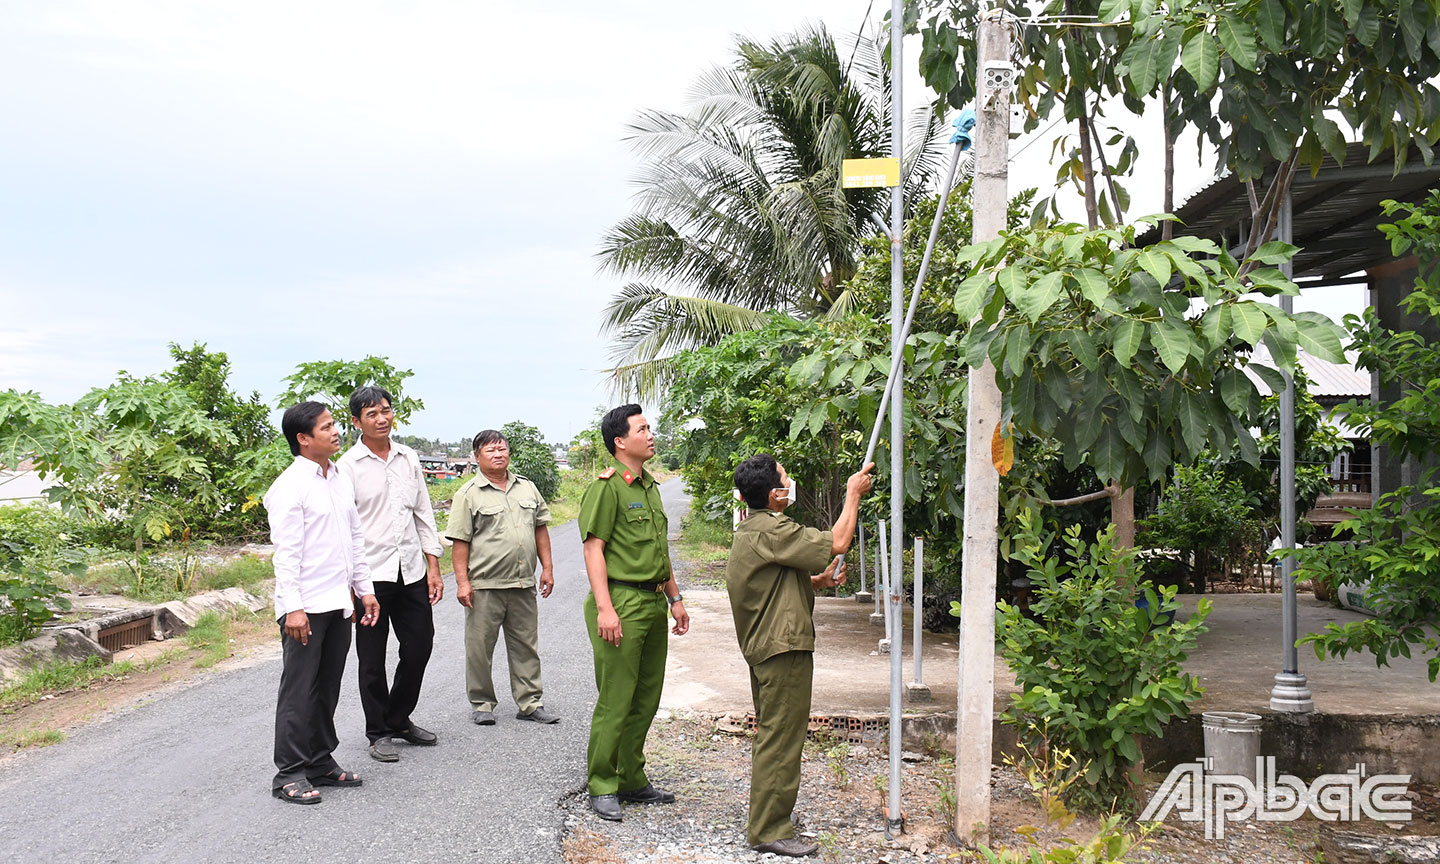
<point x="916" y="692"/>
<point x="1291" y="694"/>
<point x="877" y="618"/>
<point x="864" y="597"/>
<point x="883" y="647"/>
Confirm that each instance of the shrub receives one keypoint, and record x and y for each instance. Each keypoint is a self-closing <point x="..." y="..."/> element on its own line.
<point x="1092" y="668"/>
<point x="532" y="458"/>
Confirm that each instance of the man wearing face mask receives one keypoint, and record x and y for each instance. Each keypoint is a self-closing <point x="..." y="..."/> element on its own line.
<point x="772" y="598"/>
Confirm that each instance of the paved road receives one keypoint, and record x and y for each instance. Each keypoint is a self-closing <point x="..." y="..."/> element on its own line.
<point x="186" y="777"/>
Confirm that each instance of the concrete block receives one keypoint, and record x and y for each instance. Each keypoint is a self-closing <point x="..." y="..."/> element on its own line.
<point x="67" y="645"/>
<point x="917" y="692"/>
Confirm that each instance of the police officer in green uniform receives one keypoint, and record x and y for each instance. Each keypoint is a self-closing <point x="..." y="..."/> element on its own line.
<point x="772" y="598"/>
<point x="627" y="558"/>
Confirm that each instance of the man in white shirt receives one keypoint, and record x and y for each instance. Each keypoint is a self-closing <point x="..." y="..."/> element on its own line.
<point x="319" y="561"/>
<point x="402" y="548"/>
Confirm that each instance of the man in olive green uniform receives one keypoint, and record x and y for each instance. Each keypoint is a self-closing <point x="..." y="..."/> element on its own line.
<point x="772" y="598"/>
<point x="627" y="559"/>
<point x="498" y="522"/>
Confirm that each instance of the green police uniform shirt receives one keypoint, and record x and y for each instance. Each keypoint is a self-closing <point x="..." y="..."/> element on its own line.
<point x="626" y="512"/>
<point x="768" y="577"/>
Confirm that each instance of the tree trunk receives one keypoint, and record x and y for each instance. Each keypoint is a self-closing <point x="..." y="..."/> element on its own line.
<point x="1087" y="162"/>
<point x="1167" y="228"/>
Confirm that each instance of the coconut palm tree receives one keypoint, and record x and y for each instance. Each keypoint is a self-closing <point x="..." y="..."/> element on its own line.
<point x="741" y="211"/>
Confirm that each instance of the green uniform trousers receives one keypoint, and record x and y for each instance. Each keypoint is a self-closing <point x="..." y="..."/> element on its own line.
<point x="629" y="678"/>
<point x="780" y="686"/>
<point x="515" y="610"/>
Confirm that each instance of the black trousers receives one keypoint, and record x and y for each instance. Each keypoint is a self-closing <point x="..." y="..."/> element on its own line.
<point x="309" y="690"/>
<point x="407" y="608"/>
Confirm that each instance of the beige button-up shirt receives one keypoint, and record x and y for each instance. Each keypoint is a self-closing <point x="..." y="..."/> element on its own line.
<point x="395" y="511"/>
<point x="499" y="524"/>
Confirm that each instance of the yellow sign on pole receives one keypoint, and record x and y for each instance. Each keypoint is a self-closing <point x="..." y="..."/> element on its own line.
<point x="867" y="173"/>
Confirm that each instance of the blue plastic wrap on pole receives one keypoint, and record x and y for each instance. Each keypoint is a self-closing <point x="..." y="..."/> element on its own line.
<point x="963" y="124"/>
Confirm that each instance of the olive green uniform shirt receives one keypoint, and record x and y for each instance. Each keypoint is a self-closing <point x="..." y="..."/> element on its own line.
<point x="768" y="577"/>
<point x="500" y="527"/>
<point x="626" y="512"/>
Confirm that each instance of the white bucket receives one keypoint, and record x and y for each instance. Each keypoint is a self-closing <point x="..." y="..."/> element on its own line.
<point x="1232" y="742"/>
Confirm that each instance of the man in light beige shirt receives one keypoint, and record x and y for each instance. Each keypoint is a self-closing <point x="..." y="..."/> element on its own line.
<point x="402" y="547"/>
<point x="498" y="522"/>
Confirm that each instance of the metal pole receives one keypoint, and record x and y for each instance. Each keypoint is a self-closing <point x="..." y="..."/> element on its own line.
<point x="916" y="691"/>
<point x="1291" y="692"/>
<point x="862" y="595"/>
<point x="975" y="709"/>
<point x="885" y="643"/>
<point x="877" y="617"/>
<point x="894" y="817"/>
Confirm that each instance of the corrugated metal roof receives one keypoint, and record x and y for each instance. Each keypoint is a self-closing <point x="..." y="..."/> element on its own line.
<point x="1333" y="381"/>
<point x="1335" y="212"/>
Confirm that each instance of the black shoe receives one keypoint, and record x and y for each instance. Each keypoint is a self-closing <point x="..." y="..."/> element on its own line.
<point x="416" y="735"/>
<point x="483" y="718"/>
<point x="607" y="807"/>
<point x="791" y="847"/>
<point x="648" y="795"/>
<point x="383" y="750"/>
<point x="539" y="715"/>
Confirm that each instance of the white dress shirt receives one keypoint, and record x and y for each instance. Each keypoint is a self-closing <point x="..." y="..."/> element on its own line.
<point x="395" y="511"/>
<point x="319" y="545"/>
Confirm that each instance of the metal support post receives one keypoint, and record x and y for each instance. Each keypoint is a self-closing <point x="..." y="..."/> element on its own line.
<point x="1291" y="692"/>
<point x="863" y="595"/>
<point x="916" y="690"/>
<point x="885" y="643"/>
<point x="894" y="816"/>
<point x="878" y="617"/>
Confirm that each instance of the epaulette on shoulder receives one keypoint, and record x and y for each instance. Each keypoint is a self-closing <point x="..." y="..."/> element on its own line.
<point x="607" y="473"/>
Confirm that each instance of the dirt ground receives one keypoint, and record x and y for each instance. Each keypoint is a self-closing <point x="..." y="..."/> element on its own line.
<point x="842" y="795"/>
<point x="158" y="667"/>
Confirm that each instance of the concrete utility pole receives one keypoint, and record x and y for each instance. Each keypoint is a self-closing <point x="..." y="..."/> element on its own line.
<point x="894" y="820"/>
<point x="976" y="692"/>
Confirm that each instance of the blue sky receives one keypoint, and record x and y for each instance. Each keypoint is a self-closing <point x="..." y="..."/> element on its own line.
<point x="321" y="180"/>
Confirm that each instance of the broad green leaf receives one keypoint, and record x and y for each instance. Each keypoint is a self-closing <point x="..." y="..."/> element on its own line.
<point x="1249" y="321"/>
<point x="1107" y="456"/>
<point x="1157" y="264"/>
<point x="1201" y="58"/>
<point x="1270" y="21"/>
<point x="1272" y="377"/>
<point x="1036" y="299"/>
<point x="1011" y="281"/>
<point x="1215" y="324"/>
<point x="1319" y="336"/>
<point x="1082" y="346"/>
<point x="1274" y="252"/>
<point x="1235" y="389"/>
<point x="1367" y="28"/>
<point x="1194" y="422"/>
<point x="1156" y="455"/>
<point x="1092" y="284"/>
<point x="1331" y="138"/>
<point x="1128" y="336"/>
<point x="971" y="294"/>
<point x="1113" y="9"/>
<point x="1238" y="40"/>
<point x="1143" y="59"/>
<point x="1172" y="341"/>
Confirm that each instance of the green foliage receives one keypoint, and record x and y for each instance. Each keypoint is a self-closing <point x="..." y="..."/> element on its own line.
<point x="332" y="382"/>
<point x="742" y="205"/>
<point x="1051" y="772"/>
<point x="1095" y="347"/>
<point x="531" y="457"/>
<point x="1396" y="544"/>
<point x="211" y="637"/>
<point x="1093" y="669"/>
<point x="1253" y="77"/>
<point x="59" y="676"/>
<point x="1201" y="513"/>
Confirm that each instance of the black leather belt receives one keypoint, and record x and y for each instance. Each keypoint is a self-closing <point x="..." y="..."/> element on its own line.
<point x="638" y="586"/>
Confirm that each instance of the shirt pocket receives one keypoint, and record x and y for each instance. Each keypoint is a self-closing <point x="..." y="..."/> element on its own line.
<point x="641" y="524"/>
<point x="489" y="517"/>
<point x="527" y="512"/>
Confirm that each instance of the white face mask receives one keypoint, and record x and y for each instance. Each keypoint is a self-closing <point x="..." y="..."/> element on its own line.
<point x="790" y="491"/>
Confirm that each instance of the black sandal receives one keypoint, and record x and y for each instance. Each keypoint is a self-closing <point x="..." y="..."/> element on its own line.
<point x="337" y="778"/>
<point x="295" y="793"/>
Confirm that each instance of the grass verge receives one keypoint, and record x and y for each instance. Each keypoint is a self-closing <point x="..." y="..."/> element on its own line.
<point x="60" y="677"/>
<point x="10" y="741"/>
<point x="210" y="637"/>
